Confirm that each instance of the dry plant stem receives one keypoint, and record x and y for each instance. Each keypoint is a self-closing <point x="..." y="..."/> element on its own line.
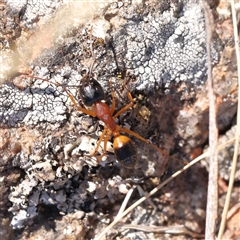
<point x="212" y="196"/>
<point x="150" y="202"/>
<point x="125" y="202"/>
<point x="233" y="210"/>
<point x="117" y="219"/>
<point x="179" y="229"/>
<point x="235" y="156"/>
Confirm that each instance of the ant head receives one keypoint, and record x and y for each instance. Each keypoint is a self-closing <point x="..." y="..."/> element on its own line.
<point x="91" y="91"/>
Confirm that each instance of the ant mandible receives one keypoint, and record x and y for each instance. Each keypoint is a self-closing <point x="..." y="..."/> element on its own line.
<point x="92" y="95"/>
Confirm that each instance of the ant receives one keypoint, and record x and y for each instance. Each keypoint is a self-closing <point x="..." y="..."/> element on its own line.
<point x="92" y="96"/>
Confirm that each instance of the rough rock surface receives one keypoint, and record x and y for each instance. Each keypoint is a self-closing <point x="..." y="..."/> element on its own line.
<point x="48" y="183"/>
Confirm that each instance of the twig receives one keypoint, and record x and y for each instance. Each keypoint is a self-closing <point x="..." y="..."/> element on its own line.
<point x="179" y="229"/>
<point x="125" y="202"/>
<point x="235" y="156"/>
<point x="233" y="210"/>
<point x="212" y="196"/>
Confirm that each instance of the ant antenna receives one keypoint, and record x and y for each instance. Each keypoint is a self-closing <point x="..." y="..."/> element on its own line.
<point x="92" y="52"/>
<point x="121" y="70"/>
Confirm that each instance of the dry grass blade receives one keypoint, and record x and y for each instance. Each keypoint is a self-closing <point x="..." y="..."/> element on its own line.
<point x="117" y="219"/>
<point x="235" y="156"/>
<point x="212" y="195"/>
<point x="125" y="201"/>
<point x="233" y="210"/>
<point x="179" y="229"/>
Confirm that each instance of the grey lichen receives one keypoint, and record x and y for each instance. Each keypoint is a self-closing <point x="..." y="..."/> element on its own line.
<point x="32" y="10"/>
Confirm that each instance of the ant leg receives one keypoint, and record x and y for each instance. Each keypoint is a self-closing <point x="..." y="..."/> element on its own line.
<point x="105" y="147"/>
<point x="91" y="113"/>
<point x="146" y="141"/>
<point x="124" y="109"/>
<point x="88" y="112"/>
<point x="99" y="142"/>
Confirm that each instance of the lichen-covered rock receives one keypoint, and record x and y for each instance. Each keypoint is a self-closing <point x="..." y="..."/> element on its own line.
<point x="157" y="51"/>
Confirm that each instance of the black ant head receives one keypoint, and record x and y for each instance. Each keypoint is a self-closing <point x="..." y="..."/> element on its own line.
<point x="91" y="91"/>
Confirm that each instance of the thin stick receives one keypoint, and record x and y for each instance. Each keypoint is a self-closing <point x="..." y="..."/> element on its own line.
<point x="125" y="202"/>
<point x="235" y="156"/>
<point x="179" y="229"/>
<point x="212" y="195"/>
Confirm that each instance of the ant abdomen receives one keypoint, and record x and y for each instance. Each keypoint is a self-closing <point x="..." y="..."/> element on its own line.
<point x="125" y="151"/>
<point x="91" y="92"/>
